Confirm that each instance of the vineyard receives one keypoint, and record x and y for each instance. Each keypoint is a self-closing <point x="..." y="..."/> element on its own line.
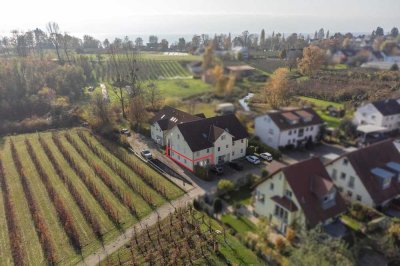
<point x="185" y="237"/>
<point x="150" y="69"/>
<point x="65" y="193"/>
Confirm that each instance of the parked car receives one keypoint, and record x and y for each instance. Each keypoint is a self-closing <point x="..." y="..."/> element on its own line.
<point x="266" y="156"/>
<point x="146" y="154"/>
<point x="217" y="169"/>
<point x="125" y="131"/>
<point x="253" y="159"/>
<point x="236" y="165"/>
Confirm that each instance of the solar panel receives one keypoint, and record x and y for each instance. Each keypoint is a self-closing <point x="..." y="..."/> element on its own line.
<point x="382" y="173"/>
<point x="394" y="166"/>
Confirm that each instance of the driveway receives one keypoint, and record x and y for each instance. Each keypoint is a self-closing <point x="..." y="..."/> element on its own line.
<point x="291" y="157"/>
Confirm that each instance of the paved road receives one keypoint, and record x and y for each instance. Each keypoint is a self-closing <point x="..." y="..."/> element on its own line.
<point x="150" y="220"/>
<point x="292" y="157"/>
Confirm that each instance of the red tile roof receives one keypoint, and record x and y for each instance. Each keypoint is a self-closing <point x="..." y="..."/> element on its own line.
<point x="310" y="182"/>
<point x="376" y="155"/>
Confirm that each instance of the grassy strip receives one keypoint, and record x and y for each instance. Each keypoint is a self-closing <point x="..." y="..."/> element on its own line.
<point x="14" y="233"/>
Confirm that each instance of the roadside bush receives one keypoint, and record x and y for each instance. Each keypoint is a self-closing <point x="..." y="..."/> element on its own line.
<point x="225" y="185"/>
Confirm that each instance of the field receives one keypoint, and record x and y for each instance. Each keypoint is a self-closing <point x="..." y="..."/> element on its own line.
<point x="268" y="65"/>
<point x="64" y="193"/>
<point x="186" y="237"/>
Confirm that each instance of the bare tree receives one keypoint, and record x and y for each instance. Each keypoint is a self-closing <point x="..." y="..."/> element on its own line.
<point x="55" y="37"/>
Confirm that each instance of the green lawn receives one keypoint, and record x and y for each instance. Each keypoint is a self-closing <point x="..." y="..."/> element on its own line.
<point x="182" y="88"/>
<point x="321" y="103"/>
<point x="350" y="222"/>
<point x="240" y="224"/>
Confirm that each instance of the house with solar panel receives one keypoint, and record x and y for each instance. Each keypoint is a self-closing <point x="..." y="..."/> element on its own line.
<point x="300" y="195"/>
<point x="196" y="140"/>
<point x="295" y="127"/>
<point x="369" y="175"/>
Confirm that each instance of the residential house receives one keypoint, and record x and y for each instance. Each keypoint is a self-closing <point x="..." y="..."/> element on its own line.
<point x="369" y="175"/>
<point x="300" y="194"/>
<point x="166" y="119"/>
<point x="295" y="128"/>
<point x="384" y="113"/>
<point x="207" y="141"/>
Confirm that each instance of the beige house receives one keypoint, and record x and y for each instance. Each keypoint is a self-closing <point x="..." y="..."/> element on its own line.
<point x="166" y="119"/>
<point x="369" y="175"/>
<point x="301" y="195"/>
<point x="207" y="141"/>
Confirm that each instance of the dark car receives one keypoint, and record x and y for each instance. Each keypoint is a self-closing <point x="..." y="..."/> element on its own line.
<point x="236" y="165"/>
<point x="217" y="169"/>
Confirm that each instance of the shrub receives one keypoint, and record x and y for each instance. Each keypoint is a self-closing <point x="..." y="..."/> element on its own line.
<point x="202" y="172"/>
<point x="290" y="234"/>
<point x="264" y="173"/>
<point x="280" y="243"/>
<point x="225" y="185"/>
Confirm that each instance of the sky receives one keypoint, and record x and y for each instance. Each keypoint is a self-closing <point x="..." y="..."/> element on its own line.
<point x="143" y="17"/>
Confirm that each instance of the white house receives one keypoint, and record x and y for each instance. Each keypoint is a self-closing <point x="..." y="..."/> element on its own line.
<point x="282" y="128"/>
<point x="300" y="194"/>
<point x="384" y="113"/>
<point x="207" y="141"/>
<point x="369" y="175"/>
<point x="166" y="119"/>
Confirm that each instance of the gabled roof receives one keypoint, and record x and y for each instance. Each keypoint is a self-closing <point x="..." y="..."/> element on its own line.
<point x="201" y="134"/>
<point x="168" y="117"/>
<point x="310" y="182"/>
<point x="365" y="161"/>
<point x="282" y="118"/>
<point x="387" y="107"/>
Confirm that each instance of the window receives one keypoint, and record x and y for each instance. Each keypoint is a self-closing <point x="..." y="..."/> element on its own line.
<point x="351" y="182"/>
<point x="290" y="132"/>
<point x="340" y="189"/>
<point x="271" y="186"/>
<point x="345" y="162"/>
<point x="233" y="143"/>
<point x="219" y="148"/>
<point x="242" y="141"/>
<point x="208" y="150"/>
<point x="271" y="131"/>
<point x="260" y="196"/>
<point x="386" y="182"/>
<point x="241" y="150"/>
<point x="311" y="128"/>
<point x="373" y="117"/>
<point x="334" y="174"/>
<point x="198" y="154"/>
<point x="184" y="160"/>
<point x="177" y="136"/>
<point x="349" y="193"/>
<point x="343" y="176"/>
<point x="294" y="131"/>
<point x="281" y="213"/>
<point x="179" y="157"/>
<point x="223" y="137"/>
<point x="288" y="193"/>
<point x="233" y="153"/>
<point x="288" y="142"/>
<point x="227" y="146"/>
<point x="359" y="198"/>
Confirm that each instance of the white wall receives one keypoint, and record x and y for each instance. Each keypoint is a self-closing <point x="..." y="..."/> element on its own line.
<point x="223" y="147"/>
<point x="343" y="184"/>
<point x="239" y="149"/>
<point x="267" y="131"/>
<point x="157" y="134"/>
<point x="368" y="114"/>
<point x="178" y="144"/>
<point x="271" y="135"/>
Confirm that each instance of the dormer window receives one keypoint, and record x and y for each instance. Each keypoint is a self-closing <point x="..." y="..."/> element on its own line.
<point x="329" y="199"/>
<point x="384" y="176"/>
<point x="395" y="167"/>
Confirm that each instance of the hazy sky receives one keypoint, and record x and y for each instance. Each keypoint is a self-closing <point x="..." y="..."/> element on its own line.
<point x="128" y="17"/>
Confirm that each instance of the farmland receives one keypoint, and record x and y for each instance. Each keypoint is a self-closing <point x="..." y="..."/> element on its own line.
<point x="185" y="237"/>
<point x="65" y="193"/>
